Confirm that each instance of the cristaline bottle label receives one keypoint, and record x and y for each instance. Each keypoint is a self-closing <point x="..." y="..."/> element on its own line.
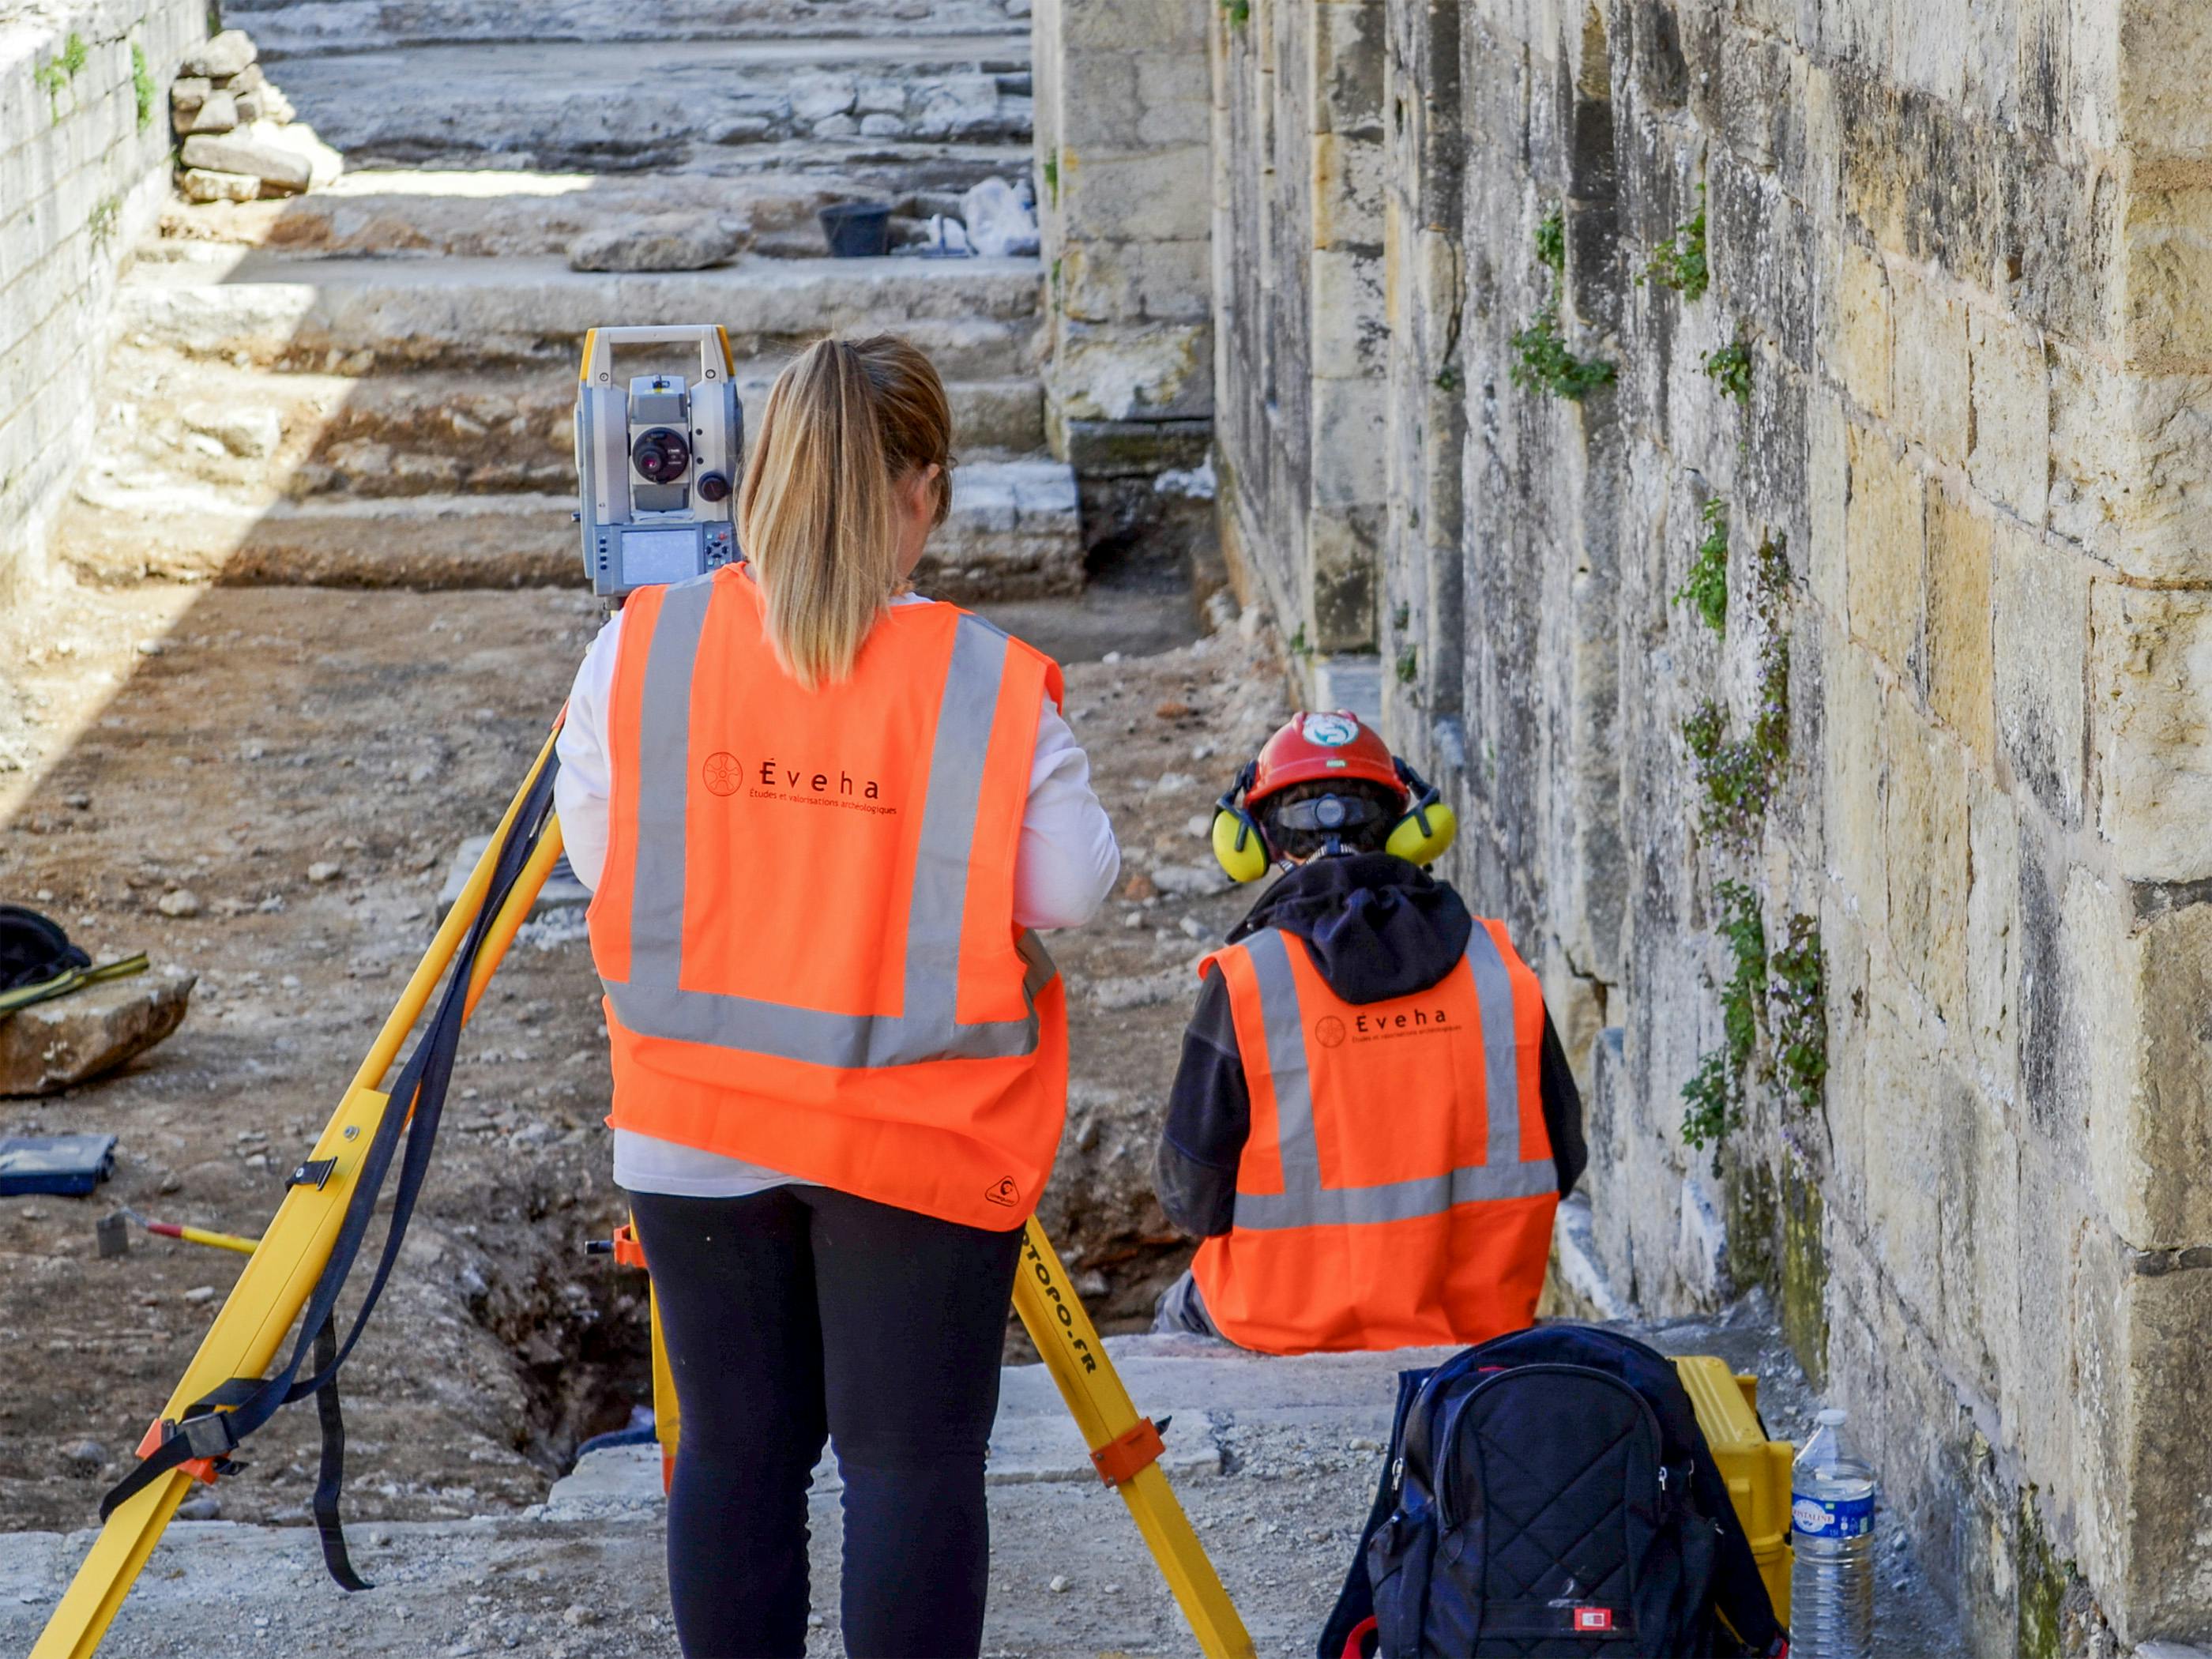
<point x="1833" y="1517"/>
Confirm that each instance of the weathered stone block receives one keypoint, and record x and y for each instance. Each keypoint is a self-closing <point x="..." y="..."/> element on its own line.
<point x="2151" y="689"/>
<point x="222" y="56"/>
<point x="1853" y="811"/>
<point x="1928" y="366"/>
<point x="1903" y="1150"/>
<point x="1928" y="850"/>
<point x="2011" y="457"/>
<point x="1136" y="281"/>
<point x="205" y="184"/>
<point x="1165" y="371"/>
<point x="1857" y="331"/>
<point x="1141" y="197"/>
<point x="1884" y="551"/>
<point x="1349" y="339"/>
<point x="51" y="1045"/>
<point x="1347" y="190"/>
<point x="271" y="163"/>
<point x="1993" y="944"/>
<point x="1351" y="422"/>
<point x="2039" y="600"/>
<point x="1961" y="684"/>
<point x="1827" y="496"/>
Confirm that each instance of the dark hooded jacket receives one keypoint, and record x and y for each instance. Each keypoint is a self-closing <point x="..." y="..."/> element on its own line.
<point x="1378" y="927"/>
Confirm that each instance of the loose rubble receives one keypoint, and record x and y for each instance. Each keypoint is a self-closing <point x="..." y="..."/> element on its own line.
<point x="242" y="137"/>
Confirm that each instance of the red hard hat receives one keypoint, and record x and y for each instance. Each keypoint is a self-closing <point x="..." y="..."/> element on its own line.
<point x="1319" y="748"/>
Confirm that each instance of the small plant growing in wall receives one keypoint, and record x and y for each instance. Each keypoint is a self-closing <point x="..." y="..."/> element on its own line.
<point x="1679" y="261"/>
<point x="55" y="74"/>
<point x="100" y="223"/>
<point x="1237" y="11"/>
<point x="1052" y="180"/>
<point x="1704" y="590"/>
<point x="1712" y="1100"/>
<point x="1552" y="239"/>
<point x="1542" y="361"/>
<point x="142" y="90"/>
<point x="1736" y="776"/>
<point x="1729" y="368"/>
<point x="1797" y="1012"/>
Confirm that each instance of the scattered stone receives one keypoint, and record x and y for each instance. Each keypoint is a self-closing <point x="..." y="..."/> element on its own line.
<point x="189" y="92"/>
<point x="814" y="99"/>
<point x="222" y="56"/>
<point x="51" y="1045"/>
<point x="324" y="163"/>
<point x="249" y="79"/>
<point x="151" y="647"/>
<point x="218" y="112"/>
<point x="665" y="244"/>
<point x="835" y="126"/>
<point x="1142" y="991"/>
<point x="1174" y="709"/>
<point x="740" y="129"/>
<point x="1138" y="888"/>
<point x="250" y="433"/>
<point x="86" y="1455"/>
<point x="324" y="870"/>
<point x="881" y="126"/>
<point x="204" y="1507"/>
<point x="577" y="1615"/>
<point x="281" y="168"/>
<point x="200" y="1293"/>
<point x="178" y="901"/>
<point x="1188" y="880"/>
<point x="1058" y="1584"/>
<point x="206" y="185"/>
<point x="251" y="105"/>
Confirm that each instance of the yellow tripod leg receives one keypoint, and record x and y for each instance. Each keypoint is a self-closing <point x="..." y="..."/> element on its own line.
<point x="1076" y="1359"/>
<point x="280" y="1274"/>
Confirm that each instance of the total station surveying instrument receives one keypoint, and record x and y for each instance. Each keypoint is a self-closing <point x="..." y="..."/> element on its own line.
<point x="656" y="462"/>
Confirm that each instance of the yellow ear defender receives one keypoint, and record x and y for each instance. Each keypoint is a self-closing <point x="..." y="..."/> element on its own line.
<point x="1239" y="846"/>
<point x="1426" y="832"/>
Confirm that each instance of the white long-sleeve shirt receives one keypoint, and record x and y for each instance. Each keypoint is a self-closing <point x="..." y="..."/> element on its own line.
<point x="1067" y="864"/>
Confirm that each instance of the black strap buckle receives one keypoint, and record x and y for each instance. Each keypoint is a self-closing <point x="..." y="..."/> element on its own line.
<point x="315" y="1172"/>
<point x="209" y="1435"/>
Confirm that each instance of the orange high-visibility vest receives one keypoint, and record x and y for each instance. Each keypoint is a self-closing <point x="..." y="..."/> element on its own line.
<point x="1397" y="1187"/>
<point x="805" y="924"/>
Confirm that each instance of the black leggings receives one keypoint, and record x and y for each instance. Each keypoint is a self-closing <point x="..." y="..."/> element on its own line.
<point x="800" y="1311"/>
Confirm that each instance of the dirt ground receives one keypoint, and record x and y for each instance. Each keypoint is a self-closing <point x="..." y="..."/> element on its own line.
<point x="233" y="743"/>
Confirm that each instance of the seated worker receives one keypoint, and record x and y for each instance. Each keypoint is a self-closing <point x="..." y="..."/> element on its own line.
<point x="1373" y="1122"/>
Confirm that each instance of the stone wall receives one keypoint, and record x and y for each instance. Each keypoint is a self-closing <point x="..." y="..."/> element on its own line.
<point x="84" y="149"/>
<point x="1122" y="115"/>
<point x="1816" y="636"/>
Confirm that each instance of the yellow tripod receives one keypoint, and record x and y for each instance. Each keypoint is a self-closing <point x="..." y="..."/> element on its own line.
<point x="278" y="1280"/>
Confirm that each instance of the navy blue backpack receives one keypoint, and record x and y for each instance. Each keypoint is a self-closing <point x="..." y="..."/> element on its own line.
<point x="1549" y="1493"/>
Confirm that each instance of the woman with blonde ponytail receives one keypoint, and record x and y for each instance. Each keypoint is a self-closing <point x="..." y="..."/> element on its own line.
<point x="823" y="818"/>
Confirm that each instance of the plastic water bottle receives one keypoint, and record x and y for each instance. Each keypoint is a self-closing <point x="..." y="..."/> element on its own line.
<point x="1832" y="1531"/>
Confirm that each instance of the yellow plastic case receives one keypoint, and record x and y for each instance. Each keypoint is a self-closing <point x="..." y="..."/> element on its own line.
<point x="1757" y="1469"/>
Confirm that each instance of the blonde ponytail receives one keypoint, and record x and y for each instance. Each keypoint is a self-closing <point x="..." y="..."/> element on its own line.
<point x="818" y="515"/>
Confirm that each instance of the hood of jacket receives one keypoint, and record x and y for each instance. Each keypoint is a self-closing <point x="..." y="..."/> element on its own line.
<point x="1377" y="927"/>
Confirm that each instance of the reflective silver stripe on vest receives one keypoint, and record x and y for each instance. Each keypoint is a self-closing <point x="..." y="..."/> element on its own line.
<point x="654" y="1002"/>
<point x="1304" y="1201"/>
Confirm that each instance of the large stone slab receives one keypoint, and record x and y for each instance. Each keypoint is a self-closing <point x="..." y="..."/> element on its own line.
<point x="52" y="1046"/>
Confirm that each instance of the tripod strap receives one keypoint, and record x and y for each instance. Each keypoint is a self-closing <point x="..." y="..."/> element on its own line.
<point x="213" y="1426"/>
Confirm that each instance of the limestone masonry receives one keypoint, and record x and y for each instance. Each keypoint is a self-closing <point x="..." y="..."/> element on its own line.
<point x="1758" y="455"/>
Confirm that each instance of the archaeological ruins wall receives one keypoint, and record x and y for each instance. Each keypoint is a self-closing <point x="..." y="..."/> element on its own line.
<point x="1765" y="447"/>
<point x="1122" y="128"/>
<point x="84" y="161"/>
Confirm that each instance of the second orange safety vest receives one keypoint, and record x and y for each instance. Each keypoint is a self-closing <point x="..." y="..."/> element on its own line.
<point x="804" y="929"/>
<point x="1397" y="1187"/>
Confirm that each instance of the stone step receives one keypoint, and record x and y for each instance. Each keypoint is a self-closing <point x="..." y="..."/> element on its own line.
<point x="266" y="436"/>
<point x="977" y="318"/>
<point x="424" y="213"/>
<point x="553" y="104"/>
<point x="1013" y="534"/>
<point x="285" y="30"/>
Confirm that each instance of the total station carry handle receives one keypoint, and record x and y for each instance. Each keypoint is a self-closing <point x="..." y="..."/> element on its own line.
<point x="712" y="340"/>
